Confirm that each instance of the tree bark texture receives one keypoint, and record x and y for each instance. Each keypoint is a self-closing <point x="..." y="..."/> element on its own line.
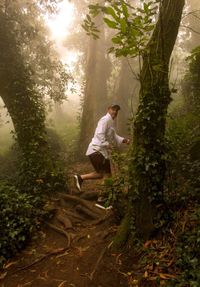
<point x="95" y="95"/>
<point x="24" y="106"/>
<point x="147" y="167"/>
<point x="125" y="96"/>
<point x="149" y="128"/>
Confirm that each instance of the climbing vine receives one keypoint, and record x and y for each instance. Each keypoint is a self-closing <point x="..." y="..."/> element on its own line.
<point x="138" y="34"/>
<point x="28" y="77"/>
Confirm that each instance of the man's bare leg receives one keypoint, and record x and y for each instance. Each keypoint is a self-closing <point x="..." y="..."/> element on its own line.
<point x="92" y="175"/>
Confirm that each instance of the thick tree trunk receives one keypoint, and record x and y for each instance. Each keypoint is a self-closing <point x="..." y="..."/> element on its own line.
<point x="125" y="96"/>
<point x="147" y="168"/>
<point x="24" y="106"/>
<point x="95" y="96"/>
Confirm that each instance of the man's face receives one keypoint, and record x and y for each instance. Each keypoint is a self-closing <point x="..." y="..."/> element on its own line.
<point x="113" y="112"/>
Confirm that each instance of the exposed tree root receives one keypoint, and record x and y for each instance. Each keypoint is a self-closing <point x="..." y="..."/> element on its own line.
<point x="106" y="233"/>
<point x="61" y="217"/>
<point x="53" y="252"/>
<point x="97" y="263"/>
<point x="102" y="219"/>
<point x="81" y="201"/>
<point x="73" y="214"/>
<point x="87" y="212"/>
<point x="90" y="195"/>
<point x="61" y="231"/>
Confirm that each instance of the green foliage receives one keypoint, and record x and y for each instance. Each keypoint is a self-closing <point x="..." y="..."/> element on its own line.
<point x="190" y="85"/>
<point x="188" y="253"/>
<point x="44" y="171"/>
<point x="30" y="73"/>
<point x="184" y="133"/>
<point x="133" y="36"/>
<point x="18" y="213"/>
<point x="133" y="25"/>
<point x="90" y="27"/>
<point x="5" y="139"/>
<point x="183" y="180"/>
<point x="116" y="188"/>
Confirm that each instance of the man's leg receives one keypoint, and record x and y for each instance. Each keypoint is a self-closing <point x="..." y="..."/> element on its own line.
<point x="100" y="165"/>
<point x="96" y="160"/>
<point x="92" y="175"/>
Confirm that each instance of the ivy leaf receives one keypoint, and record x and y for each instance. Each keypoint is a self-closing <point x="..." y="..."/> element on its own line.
<point x="116" y="40"/>
<point x="123" y="25"/>
<point x="125" y="10"/>
<point x="110" y="23"/>
<point x="149" y="28"/>
<point x="111" y="50"/>
<point x="89" y="18"/>
<point x="146" y="8"/>
<point x="111" y="11"/>
<point x="94" y="10"/>
<point x="157" y="68"/>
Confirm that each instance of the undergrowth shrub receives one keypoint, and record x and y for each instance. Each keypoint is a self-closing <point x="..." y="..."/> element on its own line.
<point x="116" y="187"/>
<point x="188" y="253"/>
<point x="18" y="215"/>
<point x="184" y="137"/>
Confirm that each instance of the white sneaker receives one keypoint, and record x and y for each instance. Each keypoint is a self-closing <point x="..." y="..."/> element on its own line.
<point x="78" y="181"/>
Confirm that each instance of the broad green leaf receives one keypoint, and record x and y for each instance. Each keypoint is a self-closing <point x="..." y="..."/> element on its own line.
<point x="116" y="40"/>
<point x="123" y="25"/>
<point x="94" y="10"/>
<point x="149" y="28"/>
<point x="157" y="68"/>
<point x="88" y="18"/>
<point x="111" y="11"/>
<point x="125" y="9"/>
<point x="146" y="8"/>
<point x="110" y="23"/>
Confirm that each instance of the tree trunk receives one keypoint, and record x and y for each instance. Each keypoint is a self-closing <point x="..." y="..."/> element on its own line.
<point x="95" y="96"/>
<point x="147" y="168"/>
<point x="125" y="94"/>
<point x="24" y="106"/>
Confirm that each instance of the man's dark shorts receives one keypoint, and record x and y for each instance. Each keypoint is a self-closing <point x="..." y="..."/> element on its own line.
<point x="100" y="163"/>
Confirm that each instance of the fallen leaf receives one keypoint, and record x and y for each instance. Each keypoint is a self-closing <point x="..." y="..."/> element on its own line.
<point x="64" y="254"/>
<point x="6" y="266"/>
<point x="81" y="250"/>
<point x="167" y="276"/>
<point x="170" y="262"/>
<point x="62" y="284"/>
<point x="145" y="274"/>
<point x="149" y="243"/>
<point x="3" y="275"/>
<point x="41" y="277"/>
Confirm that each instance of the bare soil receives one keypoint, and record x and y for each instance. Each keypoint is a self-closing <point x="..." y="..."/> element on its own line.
<point x="72" y="249"/>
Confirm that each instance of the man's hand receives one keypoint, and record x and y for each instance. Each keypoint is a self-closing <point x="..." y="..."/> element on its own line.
<point x="126" y="141"/>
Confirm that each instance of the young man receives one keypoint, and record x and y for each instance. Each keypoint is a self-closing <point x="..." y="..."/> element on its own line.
<point x="99" y="148"/>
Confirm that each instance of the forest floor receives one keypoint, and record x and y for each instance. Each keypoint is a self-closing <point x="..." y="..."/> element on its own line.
<point x="74" y="248"/>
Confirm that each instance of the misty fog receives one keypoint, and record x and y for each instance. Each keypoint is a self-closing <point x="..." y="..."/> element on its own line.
<point x="114" y="80"/>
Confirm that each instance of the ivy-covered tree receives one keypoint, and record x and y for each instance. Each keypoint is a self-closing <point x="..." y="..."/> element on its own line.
<point x="147" y="171"/>
<point x="134" y="38"/>
<point x="26" y="77"/>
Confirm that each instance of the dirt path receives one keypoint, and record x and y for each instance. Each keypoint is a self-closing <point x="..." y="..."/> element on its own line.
<point x="72" y="250"/>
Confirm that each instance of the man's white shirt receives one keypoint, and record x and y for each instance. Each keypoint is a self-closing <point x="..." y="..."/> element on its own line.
<point x="104" y="136"/>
